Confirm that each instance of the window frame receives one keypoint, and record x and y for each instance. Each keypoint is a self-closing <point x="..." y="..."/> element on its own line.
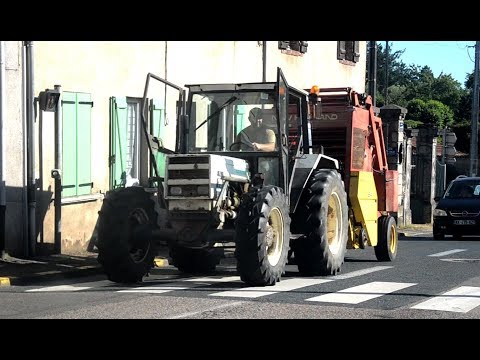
<point x="348" y="52"/>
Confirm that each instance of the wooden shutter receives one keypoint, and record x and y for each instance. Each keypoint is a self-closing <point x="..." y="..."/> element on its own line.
<point x="341" y="50"/>
<point x="356" y="51"/>
<point x="118" y="135"/>
<point x="69" y="146"/>
<point x="84" y="144"/>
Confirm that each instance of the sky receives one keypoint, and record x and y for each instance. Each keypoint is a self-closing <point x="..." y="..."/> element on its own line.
<point x="450" y="57"/>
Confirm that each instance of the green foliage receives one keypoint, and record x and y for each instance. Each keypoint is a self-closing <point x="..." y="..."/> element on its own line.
<point x="438" y="114"/>
<point x="412" y="124"/>
<point x="431" y="112"/>
<point x="432" y="100"/>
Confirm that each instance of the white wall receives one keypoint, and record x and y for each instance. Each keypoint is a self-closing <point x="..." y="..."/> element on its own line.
<point x="106" y="69"/>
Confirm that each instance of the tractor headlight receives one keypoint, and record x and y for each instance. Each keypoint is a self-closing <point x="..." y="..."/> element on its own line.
<point x="175" y="190"/>
<point x="203" y="190"/>
<point x="439" y="212"/>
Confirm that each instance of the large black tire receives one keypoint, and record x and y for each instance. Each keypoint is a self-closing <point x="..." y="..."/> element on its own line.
<point x="438" y="234"/>
<point x="322" y="250"/>
<point x="262" y="236"/>
<point x="196" y="261"/>
<point x="126" y="221"/>
<point x="387" y="245"/>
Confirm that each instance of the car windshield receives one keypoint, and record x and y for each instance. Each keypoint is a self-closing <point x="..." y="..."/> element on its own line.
<point x="217" y="118"/>
<point x="463" y="189"/>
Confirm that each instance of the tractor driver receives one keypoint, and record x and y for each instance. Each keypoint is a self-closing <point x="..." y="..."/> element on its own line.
<point x="256" y="136"/>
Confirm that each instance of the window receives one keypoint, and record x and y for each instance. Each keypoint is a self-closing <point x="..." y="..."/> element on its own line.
<point x="298" y="46"/>
<point x="348" y="50"/>
<point x="76" y="149"/>
<point x="125" y="132"/>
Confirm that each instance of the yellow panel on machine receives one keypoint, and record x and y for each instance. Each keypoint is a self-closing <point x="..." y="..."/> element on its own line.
<point x="363" y="197"/>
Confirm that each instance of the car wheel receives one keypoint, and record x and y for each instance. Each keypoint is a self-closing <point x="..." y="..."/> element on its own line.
<point x="437" y="233"/>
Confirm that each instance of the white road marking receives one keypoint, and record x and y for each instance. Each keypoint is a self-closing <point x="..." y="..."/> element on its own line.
<point x="153" y="289"/>
<point x="461" y="260"/>
<point x="75" y="287"/>
<point x="60" y="288"/>
<point x="193" y="313"/>
<point x="461" y="299"/>
<point x="282" y="286"/>
<point x="444" y="253"/>
<point x="361" y="293"/>
<point x="360" y="272"/>
<point x="215" y="279"/>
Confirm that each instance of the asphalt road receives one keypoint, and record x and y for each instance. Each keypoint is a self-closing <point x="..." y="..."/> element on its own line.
<point x="429" y="279"/>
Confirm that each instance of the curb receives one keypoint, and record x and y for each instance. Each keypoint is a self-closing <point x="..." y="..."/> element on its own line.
<point x="161" y="262"/>
<point x="55" y="274"/>
<point x="87" y="270"/>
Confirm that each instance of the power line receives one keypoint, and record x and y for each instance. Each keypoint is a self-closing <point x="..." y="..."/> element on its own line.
<point x="468" y="53"/>
<point x="474" y="134"/>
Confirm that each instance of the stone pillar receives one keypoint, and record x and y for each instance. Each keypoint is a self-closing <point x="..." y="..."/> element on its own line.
<point x="407" y="177"/>
<point x="423" y="176"/>
<point x="393" y="132"/>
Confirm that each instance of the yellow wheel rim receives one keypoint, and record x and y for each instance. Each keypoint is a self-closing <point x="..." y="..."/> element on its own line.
<point x="274" y="236"/>
<point x="393" y="239"/>
<point x="334" y="223"/>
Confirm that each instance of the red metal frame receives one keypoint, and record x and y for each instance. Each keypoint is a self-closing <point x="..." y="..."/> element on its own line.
<point x="350" y="132"/>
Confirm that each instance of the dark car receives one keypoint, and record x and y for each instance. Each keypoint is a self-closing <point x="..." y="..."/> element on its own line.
<point x="458" y="210"/>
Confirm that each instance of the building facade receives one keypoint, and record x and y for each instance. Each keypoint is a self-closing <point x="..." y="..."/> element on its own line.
<point x="102" y="85"/>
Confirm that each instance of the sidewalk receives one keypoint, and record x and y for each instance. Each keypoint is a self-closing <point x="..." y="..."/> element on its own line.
<point x="415" y="230"/>
<point x="15" y="271"/>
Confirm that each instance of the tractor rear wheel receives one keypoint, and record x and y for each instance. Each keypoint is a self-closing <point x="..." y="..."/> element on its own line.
<point x="262" y="236"/>
<point x="322" y="249"/>
<point x="124" y="243"/>
<point x="386" y="249"/>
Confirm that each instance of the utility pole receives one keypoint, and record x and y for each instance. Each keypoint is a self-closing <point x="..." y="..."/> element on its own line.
<point x="474" y="135"/>
<point x="372" y="72"/>
<point x="386" y="72"/>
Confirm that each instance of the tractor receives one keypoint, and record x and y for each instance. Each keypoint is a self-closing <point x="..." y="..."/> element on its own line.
<point x="324" y="188"/>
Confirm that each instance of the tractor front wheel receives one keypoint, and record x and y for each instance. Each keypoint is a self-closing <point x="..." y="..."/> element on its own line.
<point x="126" y="221"/>
<point x="262" y="236"/>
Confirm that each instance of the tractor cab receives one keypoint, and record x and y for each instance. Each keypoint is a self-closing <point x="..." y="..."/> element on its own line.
<point x="252" y="121"/>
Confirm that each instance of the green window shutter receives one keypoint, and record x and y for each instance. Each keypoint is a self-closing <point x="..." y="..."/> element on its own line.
<point x="69" y="151"/>
<point x="84" y="145"/>
<point x="241" y="119"/>
<point x="118" y="126"/>
<point x="157" y="116"/>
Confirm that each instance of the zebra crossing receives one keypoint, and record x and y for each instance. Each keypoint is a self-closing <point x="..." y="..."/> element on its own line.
<point x="461" y="299"/>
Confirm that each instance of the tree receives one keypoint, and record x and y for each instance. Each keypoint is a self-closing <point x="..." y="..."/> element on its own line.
<point x="432" y="112"/>
<point x="396" y="70"/>
<point x="437" y="100"/>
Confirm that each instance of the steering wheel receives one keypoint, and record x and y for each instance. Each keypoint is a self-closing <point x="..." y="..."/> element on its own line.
<point x="244" y="140"/>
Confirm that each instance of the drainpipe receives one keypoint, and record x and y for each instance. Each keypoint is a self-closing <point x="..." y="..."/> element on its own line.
<point x="57" y="174"/>
<point x="24" y="155"/>
<point x="264" y="61"/>
<point x="3" y="199"/>
<point x="30" y="110"/>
